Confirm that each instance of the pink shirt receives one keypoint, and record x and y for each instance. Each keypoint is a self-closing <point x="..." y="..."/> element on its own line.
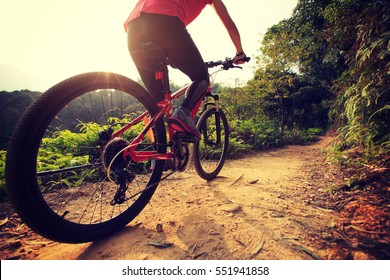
<point x="186" y="10"/>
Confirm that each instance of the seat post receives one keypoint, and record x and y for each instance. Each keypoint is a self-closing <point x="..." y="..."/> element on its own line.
<point x="163" y="76"/>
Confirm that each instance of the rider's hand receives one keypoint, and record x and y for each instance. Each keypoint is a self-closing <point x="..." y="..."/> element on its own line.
<point x="239" y="58"/>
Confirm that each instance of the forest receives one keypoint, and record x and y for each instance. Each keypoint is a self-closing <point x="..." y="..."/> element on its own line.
<point x="326" y="68"/>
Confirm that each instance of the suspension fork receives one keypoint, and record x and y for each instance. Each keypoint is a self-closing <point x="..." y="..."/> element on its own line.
<point x="203" y="103"/>
<point x="218" y="126"/>
<point x="217" y="119"/>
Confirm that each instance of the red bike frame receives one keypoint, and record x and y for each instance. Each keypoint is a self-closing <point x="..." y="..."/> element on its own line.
<point x="165" y="109"/>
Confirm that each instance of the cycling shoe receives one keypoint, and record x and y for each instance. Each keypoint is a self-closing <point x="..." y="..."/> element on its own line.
<point x="181" y="121"/>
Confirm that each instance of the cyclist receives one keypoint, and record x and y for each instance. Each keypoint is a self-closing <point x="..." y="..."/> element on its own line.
<point x="164" y="23"/>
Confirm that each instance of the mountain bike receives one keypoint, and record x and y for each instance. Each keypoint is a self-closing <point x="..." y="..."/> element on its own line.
<point x="88" y="154"/>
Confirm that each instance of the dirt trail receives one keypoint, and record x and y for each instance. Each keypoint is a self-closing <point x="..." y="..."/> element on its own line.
<point x="270" y="205"/>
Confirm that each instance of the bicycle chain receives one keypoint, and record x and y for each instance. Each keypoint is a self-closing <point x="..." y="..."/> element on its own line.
<point x="120" y="196"/>
<point x="149" y="187"/>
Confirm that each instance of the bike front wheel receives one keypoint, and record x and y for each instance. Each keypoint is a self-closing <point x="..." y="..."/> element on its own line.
<point x="65" y="172"/>
<point x="210" y="152"/>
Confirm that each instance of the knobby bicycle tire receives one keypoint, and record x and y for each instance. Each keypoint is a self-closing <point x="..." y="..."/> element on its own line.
<point x="72" y="203"/>
<point x="210" y="152"/>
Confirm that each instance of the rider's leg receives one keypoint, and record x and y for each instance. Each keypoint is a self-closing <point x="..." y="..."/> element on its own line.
<point x="181" y="118"/>
<point x="146" y="68"/>
<point x="186" y="57"/>
<point x="172" y="36"/>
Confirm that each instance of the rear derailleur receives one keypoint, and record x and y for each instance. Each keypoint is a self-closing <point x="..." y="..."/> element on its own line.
<point x="118" y="168"/>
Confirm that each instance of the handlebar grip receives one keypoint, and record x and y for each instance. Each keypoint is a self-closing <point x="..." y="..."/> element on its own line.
<point x="227" y="64"/>
<point x="245" y="59"/>
<point x="212" y="64"/>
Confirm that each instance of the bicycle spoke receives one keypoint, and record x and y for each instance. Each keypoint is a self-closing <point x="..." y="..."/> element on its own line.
<point x="77" y="128"/>
<point x="210" y="152"/>
<point x="67" y="172"/>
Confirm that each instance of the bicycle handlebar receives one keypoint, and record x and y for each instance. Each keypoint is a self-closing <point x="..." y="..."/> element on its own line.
<point x="226" y="64"/>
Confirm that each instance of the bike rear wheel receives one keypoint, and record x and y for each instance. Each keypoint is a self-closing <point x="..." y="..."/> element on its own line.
<point x="210" y="151"/>
<point x="64" y="165"/>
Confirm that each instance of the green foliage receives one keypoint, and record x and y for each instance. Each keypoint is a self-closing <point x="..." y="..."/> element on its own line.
<point x="238" y="148"/>
<point x="294" y="80"/>
<point x="364" y="99"/>
<point x="2" y="176"/>
<point x="61" y="150"/>
<point x="302" y="136"/>
<point x="331" y="58"/>
<point x="67" y="149"/>
<point x="259" y="133"/>
<point x="335" y="56"/>
<point x="326" y="65"/>
<point x="262" y="133"/>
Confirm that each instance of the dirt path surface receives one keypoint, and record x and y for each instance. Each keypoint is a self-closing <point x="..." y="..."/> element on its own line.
<point x="270" y="205"/>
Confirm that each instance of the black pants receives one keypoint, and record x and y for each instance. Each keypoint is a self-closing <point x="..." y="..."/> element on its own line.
<point x="170" y="34"/>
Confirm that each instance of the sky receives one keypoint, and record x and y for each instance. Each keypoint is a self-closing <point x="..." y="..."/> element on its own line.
<point x="46" y="41"/>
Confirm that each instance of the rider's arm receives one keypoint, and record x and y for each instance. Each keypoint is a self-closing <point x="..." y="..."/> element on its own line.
<point x="227" y="21"/>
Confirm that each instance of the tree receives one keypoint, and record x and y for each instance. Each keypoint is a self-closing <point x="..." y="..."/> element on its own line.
<point x="364" y="86"/>
<point x="12" y="106"/>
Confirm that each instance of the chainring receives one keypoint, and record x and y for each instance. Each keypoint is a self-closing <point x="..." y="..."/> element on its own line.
<point x="181" y="153"/>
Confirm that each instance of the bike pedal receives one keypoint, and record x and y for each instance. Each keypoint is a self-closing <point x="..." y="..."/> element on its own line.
<point x="170" y="165"/>
<point x="185" y="137"/>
